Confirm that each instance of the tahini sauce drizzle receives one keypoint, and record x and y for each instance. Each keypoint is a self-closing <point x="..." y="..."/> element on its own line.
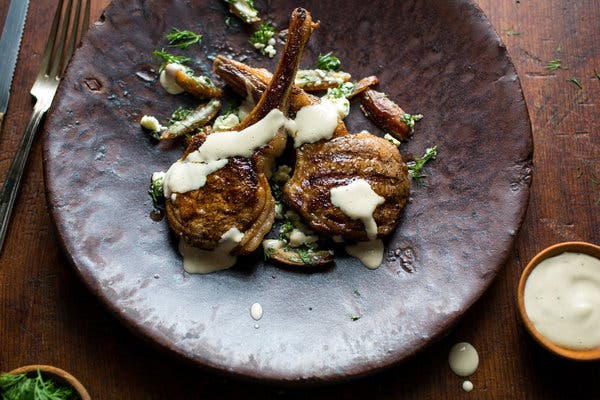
<point x="190" y="173"/>
<point x="369" y="253"/>
<point x="358" y="201"/>
<point x="198" y="261"/>
<point x="314" y="123"/>
<point x="167" y="78"/>
<point x="562" y="300"/>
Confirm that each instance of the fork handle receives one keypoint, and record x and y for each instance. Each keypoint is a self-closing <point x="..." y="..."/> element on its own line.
<point x="10" y="189"/>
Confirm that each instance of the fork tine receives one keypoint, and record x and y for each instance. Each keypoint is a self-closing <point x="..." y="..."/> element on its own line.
<point x="56" y="60"/>
<point x="72" y="36"/>
<point x="51" y="41"/>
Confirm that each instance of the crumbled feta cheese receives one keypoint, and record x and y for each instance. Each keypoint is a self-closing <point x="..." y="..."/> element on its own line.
<point x="298" y="238"/>
<point x="271" y="42"/>
<point x="270" y="51"/>
<point x="151" y="123"/>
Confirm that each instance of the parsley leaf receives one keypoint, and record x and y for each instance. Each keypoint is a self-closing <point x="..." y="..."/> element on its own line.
<point x="415" y="168"/>
<point x="328" y="62"/>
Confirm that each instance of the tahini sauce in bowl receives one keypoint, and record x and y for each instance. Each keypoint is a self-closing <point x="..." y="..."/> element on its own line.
<point x="559" y="299"/>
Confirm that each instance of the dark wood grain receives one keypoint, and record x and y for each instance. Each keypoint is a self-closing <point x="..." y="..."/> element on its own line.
<point x="48" y="316"/>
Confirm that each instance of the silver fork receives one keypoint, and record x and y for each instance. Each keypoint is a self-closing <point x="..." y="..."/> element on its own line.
<point x="69" y="24"/>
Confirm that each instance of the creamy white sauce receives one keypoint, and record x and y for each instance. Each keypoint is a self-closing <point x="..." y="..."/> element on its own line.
<point x="369" y="253"/>
<point x="315" y="122"/>
<point x="167" y="78"/>
<point x="191" y="173"/>
<point x="467" y="386"/>
<point x="198" y="261"/>
<point x="562" y="300"/>
<point x="341" y="104"/>
<point x="225" y="122"/>
<point x="151" y="123"/>
<point x="256" y="311"/>
<point x="463" y="359"/>
<point x="358" y="201"/>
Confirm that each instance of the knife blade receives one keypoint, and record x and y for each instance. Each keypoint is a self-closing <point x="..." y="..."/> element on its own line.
<point x="10" y="43"/>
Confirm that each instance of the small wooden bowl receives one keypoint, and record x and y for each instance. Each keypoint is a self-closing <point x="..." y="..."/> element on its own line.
<point x="573" y="247"/>
<point x="58" y="375"/>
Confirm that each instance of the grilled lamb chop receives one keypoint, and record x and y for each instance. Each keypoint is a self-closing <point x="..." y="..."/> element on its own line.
<point x="337" y="162"/>
<point x="238" y="195"/>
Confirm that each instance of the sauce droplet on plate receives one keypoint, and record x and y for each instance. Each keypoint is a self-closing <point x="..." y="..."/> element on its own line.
<point x="463" y="359"/>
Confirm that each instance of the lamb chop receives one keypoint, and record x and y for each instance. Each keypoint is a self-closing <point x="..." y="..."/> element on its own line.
<point x="327" y="164"/>
<point x="238" y="194"/>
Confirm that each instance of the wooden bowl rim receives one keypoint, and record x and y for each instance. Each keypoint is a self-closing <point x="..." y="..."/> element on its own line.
<point x="551" y="251"/>
<point x="57" y="373"/>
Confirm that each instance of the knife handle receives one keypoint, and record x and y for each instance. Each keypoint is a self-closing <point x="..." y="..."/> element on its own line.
<point x="1" y="118"/>
<point x="10" y="189"/>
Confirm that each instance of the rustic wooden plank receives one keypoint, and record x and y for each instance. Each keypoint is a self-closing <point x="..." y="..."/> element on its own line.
<point x="47" y="316"/>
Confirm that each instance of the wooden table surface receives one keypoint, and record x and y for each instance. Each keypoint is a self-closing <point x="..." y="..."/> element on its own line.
<point x="48" y="317"/>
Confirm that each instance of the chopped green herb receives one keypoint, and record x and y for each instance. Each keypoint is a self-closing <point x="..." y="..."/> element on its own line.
<point x="597" y="201"/>
<point x="179" y="114"/>
<point x="415" y="168"/>
<point x="156" y="190"/>
<point x="410" y="119"/>
<point x="285" y="228"/>
<point x="555" y="64"/>
<point x="328" y="62"/>
<point x="182" y="39"/>
<point x="263" y="39"/>
<point x="21" y="387"/>
<point x="167" y="58"/>
<point x="511" y="32"/>
<point x="304" y="254"/>
<point x="228" y="22"/>
<point x="576" y="82"/>
<point x="356" y="292"/>
<point x="597" y="74"/>
<point x="558" y="48"/>
<point x="595" y="180"/>
<point x="579" y="173"/>
<point x="343" y="90"/>
<point x="354" y="317"/>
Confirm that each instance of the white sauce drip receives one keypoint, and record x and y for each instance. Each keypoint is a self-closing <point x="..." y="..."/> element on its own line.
<point x="315" y="122"/>
<point x="198" y="261"/>
<point x="167" y="78"/>
<point x="467" y="386"/>
<point x="190" y="173"/>
<point x="256" y="311"/>
<point x="463" y="359"/>
<point x="369" y="253"/>
<point x="562" y="300"/>
<point x="358" y="201"/>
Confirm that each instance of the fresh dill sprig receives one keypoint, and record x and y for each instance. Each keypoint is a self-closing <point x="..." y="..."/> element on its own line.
<point x="182" y="39"/>
<point x="328" y="62"/>
<point x="554" y="64"/>
<point x="179" y="114"/>
<point x="21" y="387"/>
<point x="511" y="32"/>
<point x="167" y="58"/>
<point x="355" y="317"/>
<point x="575" y="81"/>
<point x="415" y="168"/>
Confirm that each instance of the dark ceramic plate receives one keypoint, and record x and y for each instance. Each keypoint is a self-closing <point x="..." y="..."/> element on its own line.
<point x="439" y="58"/>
